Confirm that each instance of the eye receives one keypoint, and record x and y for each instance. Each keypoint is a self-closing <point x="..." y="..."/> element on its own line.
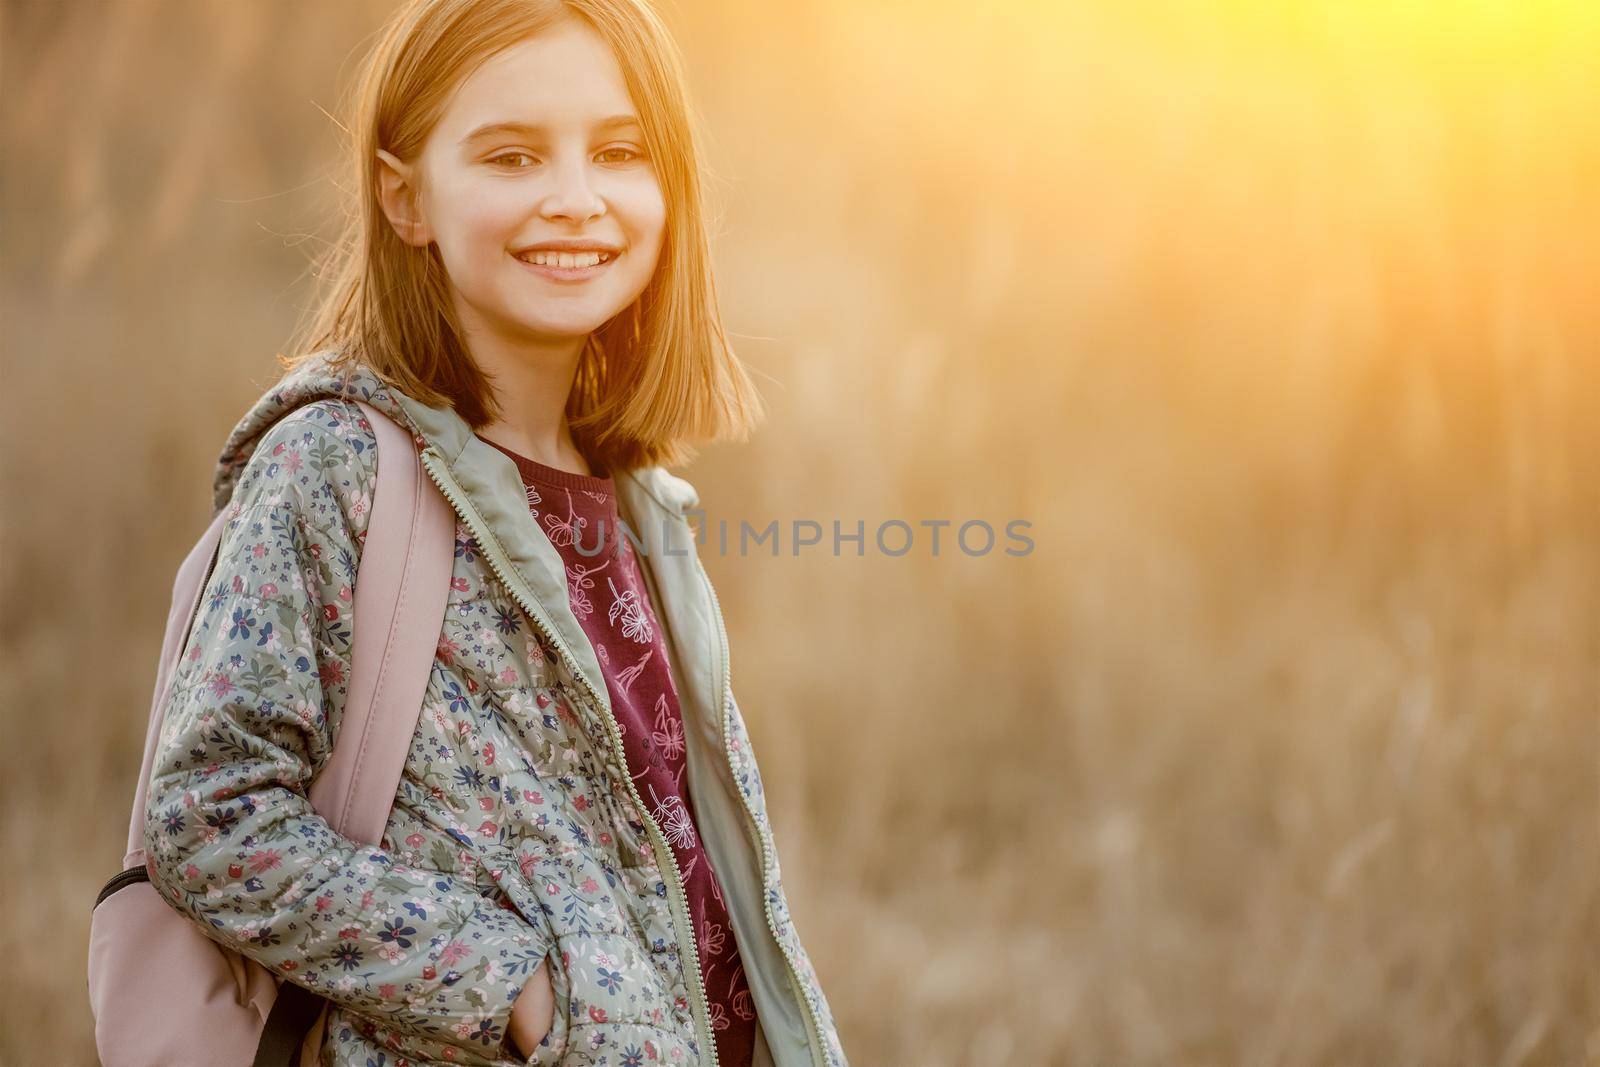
<point x="629" y="152"/>
<point x="511" y="155"/>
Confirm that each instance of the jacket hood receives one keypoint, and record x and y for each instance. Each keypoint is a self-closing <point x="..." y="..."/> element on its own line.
<point x="317" y="378"/>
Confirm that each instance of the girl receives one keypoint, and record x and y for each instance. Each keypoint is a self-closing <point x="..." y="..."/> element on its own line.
<point x="579" y="866"/>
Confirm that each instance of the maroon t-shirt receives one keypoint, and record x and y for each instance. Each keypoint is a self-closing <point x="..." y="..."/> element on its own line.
<point x="608" y="595"/>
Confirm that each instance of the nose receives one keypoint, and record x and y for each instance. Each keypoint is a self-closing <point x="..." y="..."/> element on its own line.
<point x="573" y="195"/>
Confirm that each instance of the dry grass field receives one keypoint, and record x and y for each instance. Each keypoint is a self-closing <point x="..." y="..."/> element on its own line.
<point x="1278" y="319"/>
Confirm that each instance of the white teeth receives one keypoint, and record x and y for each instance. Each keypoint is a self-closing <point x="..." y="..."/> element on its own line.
<point x="565" y="259"/>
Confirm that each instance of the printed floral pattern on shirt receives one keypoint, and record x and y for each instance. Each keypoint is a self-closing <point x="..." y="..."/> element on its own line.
<point x="609" y="597"/>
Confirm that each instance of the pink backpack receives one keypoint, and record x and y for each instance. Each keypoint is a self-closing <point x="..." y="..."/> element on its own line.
<point x="163" y="993"/>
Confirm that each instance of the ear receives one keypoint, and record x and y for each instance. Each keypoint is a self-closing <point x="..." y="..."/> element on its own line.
<point x="397" y="194"/>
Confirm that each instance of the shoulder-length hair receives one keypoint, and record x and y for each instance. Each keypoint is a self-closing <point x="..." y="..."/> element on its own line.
<point x="652" y="381"/>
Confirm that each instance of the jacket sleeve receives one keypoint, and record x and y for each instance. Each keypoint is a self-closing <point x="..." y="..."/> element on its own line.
<point x="233" y="842"/>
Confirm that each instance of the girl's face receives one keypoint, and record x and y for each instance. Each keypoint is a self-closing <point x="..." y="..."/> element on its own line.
<point x="540" y="145"/>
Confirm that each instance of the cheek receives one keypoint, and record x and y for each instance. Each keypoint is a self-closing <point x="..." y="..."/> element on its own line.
<point x="643" y="213"/>
<point x="480" y="221"/>
<point x="490" y="220"/>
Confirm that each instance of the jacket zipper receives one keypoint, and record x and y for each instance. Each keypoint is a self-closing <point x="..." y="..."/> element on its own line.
<point x="493" y="553"/>
<point x="812" y="1015"/>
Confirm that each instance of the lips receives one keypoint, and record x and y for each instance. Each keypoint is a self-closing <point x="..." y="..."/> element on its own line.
<point x="568" y="274"/>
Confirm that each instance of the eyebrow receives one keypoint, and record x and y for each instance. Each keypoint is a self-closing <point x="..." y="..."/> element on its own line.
<point x="611" y="122"/>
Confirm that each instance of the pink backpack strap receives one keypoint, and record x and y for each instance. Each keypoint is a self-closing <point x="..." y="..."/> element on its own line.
<point x="402" y="586"/>
<point x="401" y="592"/>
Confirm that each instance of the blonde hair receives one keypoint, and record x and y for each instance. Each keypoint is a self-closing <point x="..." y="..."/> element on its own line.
<point x="655" y="378"/>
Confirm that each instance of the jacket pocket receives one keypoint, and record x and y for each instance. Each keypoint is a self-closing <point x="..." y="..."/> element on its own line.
<point x="553" y="1048"/>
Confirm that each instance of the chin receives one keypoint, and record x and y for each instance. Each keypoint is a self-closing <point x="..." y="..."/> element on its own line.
<point x="578" y="326"/>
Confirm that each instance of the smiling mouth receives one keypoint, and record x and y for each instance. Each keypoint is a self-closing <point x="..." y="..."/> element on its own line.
<point x="567" y="266"/>
<point x="566" y="260"/>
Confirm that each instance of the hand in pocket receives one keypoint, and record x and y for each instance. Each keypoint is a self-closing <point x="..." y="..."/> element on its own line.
<point x="534" y="1011"/>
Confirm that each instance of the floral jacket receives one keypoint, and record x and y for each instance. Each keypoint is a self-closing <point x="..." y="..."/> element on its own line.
<point x="516" y="834"/>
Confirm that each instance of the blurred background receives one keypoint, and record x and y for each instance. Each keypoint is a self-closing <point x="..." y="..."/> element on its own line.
<point x="1276" y="318"/>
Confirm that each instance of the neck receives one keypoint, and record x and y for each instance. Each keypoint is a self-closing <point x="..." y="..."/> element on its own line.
<point x="531" y="379"/>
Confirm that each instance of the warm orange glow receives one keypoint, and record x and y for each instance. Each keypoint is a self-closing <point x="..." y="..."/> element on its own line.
<point x="1277" y="318"/>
